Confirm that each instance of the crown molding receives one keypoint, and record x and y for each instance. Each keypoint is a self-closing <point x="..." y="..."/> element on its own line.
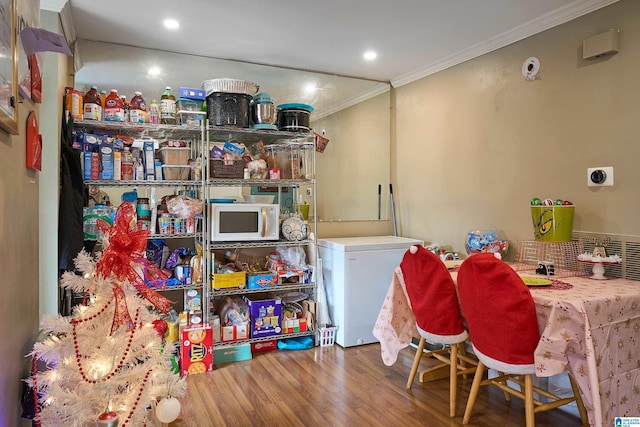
<point x="571" y="11"/>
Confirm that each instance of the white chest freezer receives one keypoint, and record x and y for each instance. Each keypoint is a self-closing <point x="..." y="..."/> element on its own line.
<point x="357" y="273"/>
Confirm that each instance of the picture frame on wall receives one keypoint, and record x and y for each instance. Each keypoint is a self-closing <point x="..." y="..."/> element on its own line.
<point x="8" y="67"/>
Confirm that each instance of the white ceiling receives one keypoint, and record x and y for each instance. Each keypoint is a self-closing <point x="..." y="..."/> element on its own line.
<point x="413" y="38"/>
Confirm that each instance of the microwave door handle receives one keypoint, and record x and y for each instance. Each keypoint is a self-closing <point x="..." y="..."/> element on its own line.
<point x="264" y="222"/>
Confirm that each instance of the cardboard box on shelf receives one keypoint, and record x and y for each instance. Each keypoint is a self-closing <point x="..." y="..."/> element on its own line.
<point x="175" y="173"/>
<point x="287" y="277"/>
<point x="192" y="93"/>
<point x="149" y="160"/>
<point x="234" y="333"/>
<point x="228" y="354"/>
<point x="263" y="280"/>
<point x="262" y="346"/>
<point x="229" y="280"/>
<point x="266" y="313"/>
<point x="293" y="325"/>
<point x="193" y="300"/>
<point x="174" y="155"/>
<point x="196" y="349"/>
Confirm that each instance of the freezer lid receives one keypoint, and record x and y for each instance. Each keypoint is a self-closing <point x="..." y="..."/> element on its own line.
<point x="367" y="243"/>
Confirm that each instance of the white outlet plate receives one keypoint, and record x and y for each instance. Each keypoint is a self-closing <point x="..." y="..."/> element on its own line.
<point x="608" y="182"/>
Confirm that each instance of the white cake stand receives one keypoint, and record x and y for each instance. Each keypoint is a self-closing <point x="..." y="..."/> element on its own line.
<point x="598" y="267"/>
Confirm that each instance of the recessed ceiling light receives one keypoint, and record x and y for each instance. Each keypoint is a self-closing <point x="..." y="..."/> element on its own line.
<point x="370" y="55"/>
<point x="153" y="71"/>
<point x="171" y="24"/>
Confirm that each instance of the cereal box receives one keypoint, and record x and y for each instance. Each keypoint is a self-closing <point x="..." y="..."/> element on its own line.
<point x="196" y="349"/>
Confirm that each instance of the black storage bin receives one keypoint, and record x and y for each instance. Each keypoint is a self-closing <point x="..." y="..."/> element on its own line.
<point x="228" y="109"/>
<point x="294" y="117"/>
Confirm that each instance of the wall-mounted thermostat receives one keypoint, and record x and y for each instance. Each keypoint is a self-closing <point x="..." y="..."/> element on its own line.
<point x="600" y="177"/>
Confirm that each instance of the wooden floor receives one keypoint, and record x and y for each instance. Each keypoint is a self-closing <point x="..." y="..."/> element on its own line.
<point x="333" y="386"/>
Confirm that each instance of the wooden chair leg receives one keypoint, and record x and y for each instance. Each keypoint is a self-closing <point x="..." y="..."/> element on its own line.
<point x="416" y="362"/>
<point x="507" y="395"/>
<point x="528" y="401"/>
<point x="473" y="393"/>
<point x="453" y="379"/>
<point x="576" y="393"/>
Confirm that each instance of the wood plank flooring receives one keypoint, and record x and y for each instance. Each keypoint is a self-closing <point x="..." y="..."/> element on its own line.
<point x="334" y="386"/>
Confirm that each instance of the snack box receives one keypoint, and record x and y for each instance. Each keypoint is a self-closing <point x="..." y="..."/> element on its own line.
<point x="196" y="349"/>
<point x="293" y="276"/>
<point x="293" y="325"/>
<point x="266" y="313"/>
<point x="262" y="346"/>
<point x="228" y="354"/>
<point x="262" y="280"/>
<point x="234" y="333"/>
<point x="192" y="300"/>
<point x="192" y="93"/>
<point x="229" y="280"/>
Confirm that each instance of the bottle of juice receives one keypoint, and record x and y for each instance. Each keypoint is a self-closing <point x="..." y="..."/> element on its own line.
<point x="126" y="108"/>
<point x="154" y="112"/>
<point x="168" y="107"/>
<point x="114" y="107"/>
<point x="127" y="164"/>
<point x="103" y="98"/>
<point x="92" y="109"/>
<point x="138" y="111"/>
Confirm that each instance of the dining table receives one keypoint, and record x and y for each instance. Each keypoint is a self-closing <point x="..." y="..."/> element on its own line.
<point x="589" y="328"/>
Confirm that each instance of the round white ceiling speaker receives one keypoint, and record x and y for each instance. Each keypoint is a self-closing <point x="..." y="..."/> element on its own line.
<point x="530" y="68"/>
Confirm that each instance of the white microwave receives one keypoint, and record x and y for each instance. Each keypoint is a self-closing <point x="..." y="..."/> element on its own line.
<point x="241" y="222"/>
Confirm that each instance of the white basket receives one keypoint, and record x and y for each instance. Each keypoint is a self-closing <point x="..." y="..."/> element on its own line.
<point x="328" y="336"/>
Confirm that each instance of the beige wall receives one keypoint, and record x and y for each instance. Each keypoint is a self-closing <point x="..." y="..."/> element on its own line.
<point x="18" y="261"/>
<point x="355" y="162"/>
<point x="476" y="142"/>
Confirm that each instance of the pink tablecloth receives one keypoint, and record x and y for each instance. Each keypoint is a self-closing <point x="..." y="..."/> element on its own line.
<point x="591" y="330"/>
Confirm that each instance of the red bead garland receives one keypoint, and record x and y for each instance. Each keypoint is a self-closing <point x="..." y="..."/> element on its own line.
<point x="36" y="398"/>
<point x="74" y="322"/>
<point x="133" y="408"/>
<point x="102" y="310"/>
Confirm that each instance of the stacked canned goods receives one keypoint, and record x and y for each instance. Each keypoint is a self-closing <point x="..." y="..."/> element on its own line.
<point x="143" y="211"/>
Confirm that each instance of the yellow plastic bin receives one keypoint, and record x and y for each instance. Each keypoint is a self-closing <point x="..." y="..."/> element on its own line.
<point x="552" y="223"/>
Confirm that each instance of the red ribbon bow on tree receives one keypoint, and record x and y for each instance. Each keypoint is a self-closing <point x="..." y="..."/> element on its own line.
<point x="125" y="251"/>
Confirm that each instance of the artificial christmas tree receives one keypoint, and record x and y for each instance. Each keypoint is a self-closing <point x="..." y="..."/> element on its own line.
<point x="107" y="364"/>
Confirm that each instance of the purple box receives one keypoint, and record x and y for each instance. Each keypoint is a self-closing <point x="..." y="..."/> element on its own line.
<point x="191" y="93"/>
<point x="266" y="315"/>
